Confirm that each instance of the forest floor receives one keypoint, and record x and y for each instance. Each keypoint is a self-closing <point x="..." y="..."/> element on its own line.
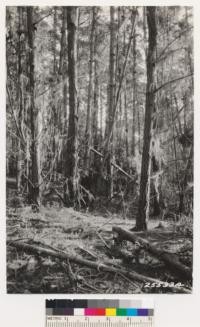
<point x="89" y="235"/>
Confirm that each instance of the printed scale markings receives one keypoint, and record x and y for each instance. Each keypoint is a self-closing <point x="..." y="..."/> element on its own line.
<point x="63" y="321"/>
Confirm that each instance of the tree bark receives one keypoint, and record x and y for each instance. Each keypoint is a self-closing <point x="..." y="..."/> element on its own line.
<point x="54" y="108"/>
<point x="20" y="156"/>
<point x="96" y="134"/>
<point x="96" y="92"/>
<point x="143" y="209"/>
<point x="183" y="183"/>
<point x="71" y="154"/>
<point x="88" y="129"/>
<point x="111" y="86"/>
<point x="63" y="72"/>
<point x="126" y="121"/>
<point x="111" y="100"/>
<point x="33" y="185"/>
<point x="134" y="95"/>
<point x="155" y="173"/>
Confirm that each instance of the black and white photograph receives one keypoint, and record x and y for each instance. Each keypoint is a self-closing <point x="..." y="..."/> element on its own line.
<point x="99" y="149"/>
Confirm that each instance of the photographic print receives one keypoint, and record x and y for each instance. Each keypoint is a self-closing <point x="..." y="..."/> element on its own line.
<point x="99" y="140"/>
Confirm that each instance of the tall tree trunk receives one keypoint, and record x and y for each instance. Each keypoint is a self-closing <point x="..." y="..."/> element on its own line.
<point x="33" y="185"/>
<point x="20" y="156"/>
<point x="145" y="29"/>
<point x="54" y="41"/>
<point x="111" y="101"/>
<point x="71" y="153"/>
<point x="101" y="112"/>
<point x="143" y="209"/>
<point x="139" y="129"/>
<point x="134" y="95"/>
<point x="109" y="132"/>
<point x="96" y="136"/>
<point x="96" y="93"/>
<point x="88" y="130"/>
<point x="111" y="86"/>
<point x="155" y="172"/>
<point x="174" y="150"/>
<point x="53" y="92"/>
<point x="125" y="100"/>
<point x="120" y="115"/>
<point x="63" y="72"/>
<point x="126" y="121"/>
<point x="184" y="181"/>
<point x="96" y="108"/>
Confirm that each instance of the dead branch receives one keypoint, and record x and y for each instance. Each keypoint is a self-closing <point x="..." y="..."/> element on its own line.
<point x="172" y="81"/>
<point x="87" y="252"/>
<point x="133" y="178"/>
<point x="170" y="260"/>
<point x="104" y="242"/>
<point x="100" y="266"/>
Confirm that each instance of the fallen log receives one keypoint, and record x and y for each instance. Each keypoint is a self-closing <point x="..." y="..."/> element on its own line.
<point x="171" y="260"/>
<point x="100" y="266"/>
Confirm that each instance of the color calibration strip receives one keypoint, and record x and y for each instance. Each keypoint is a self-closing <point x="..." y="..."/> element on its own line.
<point x="100" y="313"/>
<point x="108" y="308"/>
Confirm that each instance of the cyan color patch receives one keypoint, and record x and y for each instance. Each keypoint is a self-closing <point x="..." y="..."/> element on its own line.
<point x="131" y="312"/>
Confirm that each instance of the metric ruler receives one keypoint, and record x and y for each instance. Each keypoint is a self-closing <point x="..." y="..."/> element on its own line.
<point x="99" y="313"/>
<point x="69" y="321"/>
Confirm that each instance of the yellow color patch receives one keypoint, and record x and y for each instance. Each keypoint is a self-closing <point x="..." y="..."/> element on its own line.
<point x="110" y="312"/>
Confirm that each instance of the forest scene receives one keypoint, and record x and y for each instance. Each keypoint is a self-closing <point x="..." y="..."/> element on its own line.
<point x="99" y="140"/>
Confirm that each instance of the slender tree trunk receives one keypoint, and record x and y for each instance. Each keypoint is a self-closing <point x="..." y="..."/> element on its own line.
<point x="111" y="100"/>
<point x="53" y="91"/>
<point x="71" y="153"/>
<point x="95" y="113"/>
<point x="54" y="41"/>
<point x="95" y="137"/>
<point x="184" y="181"/>
<point x="134" y="95"/>
<point x="125" y="101"/>
<point x="96" y="90"/>
<point x="96" y="109"/>
<point x="63" y="41"/>
<point x="126" y="121"/>
<point x="109" y="133"/>
<point x="63" y="72"/>
<point x="145" y="29"/>
<point x="143" y="209"/>
<point x="33" y="185"/>
<point x="174" y="150"/>
<point x="120" y="111"/>
<point x="20" y="156"/>
<point x="111" y="92"/>
<point x="88" y="130"/>
<point x="139" y="130"/>
<point x="155" y="172"/>
<point x="116" y="129"/>
<point x="101" y="112"/>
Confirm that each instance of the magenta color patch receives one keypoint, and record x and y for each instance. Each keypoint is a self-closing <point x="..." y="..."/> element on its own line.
<point x="90" y="312"/>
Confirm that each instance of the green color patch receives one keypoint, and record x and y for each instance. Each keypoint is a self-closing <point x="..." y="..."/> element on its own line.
<point x="121" y="312"/>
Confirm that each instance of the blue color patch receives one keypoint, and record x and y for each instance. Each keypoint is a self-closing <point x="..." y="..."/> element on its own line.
<point x="142" y="312"/>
